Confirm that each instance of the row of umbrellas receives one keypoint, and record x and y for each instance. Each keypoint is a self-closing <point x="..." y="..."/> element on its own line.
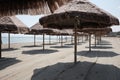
<point x="79" y="14"/>
<point x="14" y="25"/>
<point x="75" y="14"/>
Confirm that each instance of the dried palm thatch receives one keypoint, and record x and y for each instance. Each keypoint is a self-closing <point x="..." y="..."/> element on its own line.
<point x="65" y="32"/>
<point x="12" y="25"/>
<point x="48" y="31"/>
<point x="13" y="7"/>
<point x="38" y="29"/>
<point x="35" y="29"/>
<point x="88" y="14"/>
<point x="105" y="31"/>
<point x="97" y="31"/>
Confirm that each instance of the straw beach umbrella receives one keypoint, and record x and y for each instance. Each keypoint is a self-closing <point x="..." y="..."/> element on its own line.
<point x="89" y="15"/>
<point x="38" y="29"/>
<point x="12" y="25"/>
<point x="47" y="31"/>
<point x="34" y="30"/>
<point x="65" y="32"/>
<point x="79" y="14"/>
<point x="98" y="32"/>
<point x="13" y="7"/>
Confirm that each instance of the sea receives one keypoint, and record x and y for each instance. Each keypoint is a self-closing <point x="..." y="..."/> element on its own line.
<point x="27" y="39"/>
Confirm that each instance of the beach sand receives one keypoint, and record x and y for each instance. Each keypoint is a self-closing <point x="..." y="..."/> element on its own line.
<point x="26" y="62"/>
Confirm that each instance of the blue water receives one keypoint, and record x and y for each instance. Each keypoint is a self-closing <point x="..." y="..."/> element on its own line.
<point x="28" y="39"/>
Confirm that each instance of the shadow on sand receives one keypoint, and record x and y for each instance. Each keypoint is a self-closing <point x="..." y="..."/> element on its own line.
<point x="61" y="46"/>
<point x="39" y="51"/>
<point x="33" y="46"/>
<point x="51" y="43"/>
<point x="80" y="71"/>
<point x="103" y="44"/>
<point x="79" y="43"/>
<point x="97" y="53"/>
<point x="10" y="49"/>
<point x="70" y="44"/>
<point x="6" y="62"/>
<point x="100" y="47"/>
<point x="104" y="41"/>
<point x="73" y="44"/>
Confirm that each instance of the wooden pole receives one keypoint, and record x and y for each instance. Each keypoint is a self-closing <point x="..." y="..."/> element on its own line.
<point x="71" y="39"/>
<point x="0" y="45"/>
<point x="82" y="37"/>
<point x="100" y="38"/>
<point x="57" y="38"/>
<point x="9" y="39"/>
<point x="43" y="41"/>
<point x="75" y="45"/>
<point x="95" y="40"/>
<point x="66" y="38"/>
<point x="75" y="39"/>
<point x="89" y="42"/>
<point x="61" y="40"/>
<point x="49" y="39"/>
<point x="34" y="39"/>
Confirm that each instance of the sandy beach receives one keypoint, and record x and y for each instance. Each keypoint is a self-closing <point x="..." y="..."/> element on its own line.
<point x="26" y="62"/>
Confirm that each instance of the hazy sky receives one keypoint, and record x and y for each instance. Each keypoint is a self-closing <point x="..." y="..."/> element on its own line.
<point x="111" y="6"/>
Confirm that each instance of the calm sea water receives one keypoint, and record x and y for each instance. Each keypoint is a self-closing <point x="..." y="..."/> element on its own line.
<point x="26" y="39"/>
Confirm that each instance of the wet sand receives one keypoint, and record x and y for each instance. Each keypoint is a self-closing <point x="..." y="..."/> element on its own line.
<point x="26" y="62"/>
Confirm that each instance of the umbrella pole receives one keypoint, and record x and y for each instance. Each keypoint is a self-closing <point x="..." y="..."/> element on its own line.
<point x="43" y="41"/>
<point x="49" y="39"/>
<point x="95" y="40"/>
<point x="61" y="40"/>
<point x="100" y="38"/>
<point x="82" y="37"/>
<point x="75" y="45"/>
<point x="89" y="42"/>
<point x="66" y="38"/>
<point x="0" y="45"/>
<point x="57" y="38"/>
<point x="34" y="39"/>
<point x="71" y="39"/>
<point x="9" y="40"/>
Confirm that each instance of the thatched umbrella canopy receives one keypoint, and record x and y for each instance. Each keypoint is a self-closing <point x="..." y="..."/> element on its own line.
<point x="13" y="7"/>
<point x="34" y="30"/>
<point x="11" y="25"/>
<point x="38" y="29"/>
<point x="79" y="14"/>
<point x="65" y="32"/>
<point x="98" y="32"/>
<point x="47" y="31"/>
<point x="89" y="15"/>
